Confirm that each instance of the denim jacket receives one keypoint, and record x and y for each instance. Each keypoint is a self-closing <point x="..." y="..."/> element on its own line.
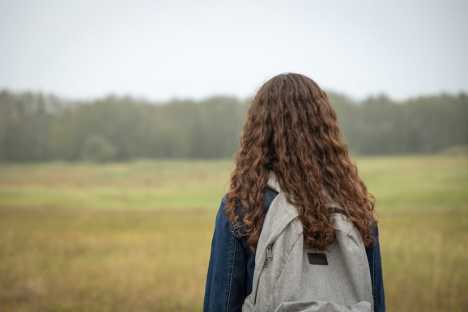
<point x="232" y="263"/>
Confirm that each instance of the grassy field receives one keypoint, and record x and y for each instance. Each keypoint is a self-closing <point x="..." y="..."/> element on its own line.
<point x="136" y="236"/>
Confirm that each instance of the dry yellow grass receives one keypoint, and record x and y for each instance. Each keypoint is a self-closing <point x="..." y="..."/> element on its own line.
<point x="136" y="236"/>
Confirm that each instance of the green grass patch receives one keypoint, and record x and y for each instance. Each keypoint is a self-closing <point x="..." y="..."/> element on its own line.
<point x="136" y="236"/>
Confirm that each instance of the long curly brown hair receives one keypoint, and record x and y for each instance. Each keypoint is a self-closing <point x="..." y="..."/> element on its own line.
<point x="292" y="129"/>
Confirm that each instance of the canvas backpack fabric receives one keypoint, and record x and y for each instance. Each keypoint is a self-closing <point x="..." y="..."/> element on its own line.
<point x="289" y="277"/>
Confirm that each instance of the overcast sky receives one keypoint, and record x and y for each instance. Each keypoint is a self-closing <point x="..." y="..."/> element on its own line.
<point x="164" y="49"/>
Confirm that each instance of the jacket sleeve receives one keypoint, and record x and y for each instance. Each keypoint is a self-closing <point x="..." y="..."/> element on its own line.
<point x="225" y="282"/>
<point x="375" y="264"/>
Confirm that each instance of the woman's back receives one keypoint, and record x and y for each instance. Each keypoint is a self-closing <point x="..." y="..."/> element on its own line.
<point x="232" y="264"/>
<point x="291" y="130"/>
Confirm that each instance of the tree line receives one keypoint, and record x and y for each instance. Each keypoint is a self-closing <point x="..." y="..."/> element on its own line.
<point x="41" y="127"/>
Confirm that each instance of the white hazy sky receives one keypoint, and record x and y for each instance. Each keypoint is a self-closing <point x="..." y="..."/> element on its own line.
<point x="164" y="49"/>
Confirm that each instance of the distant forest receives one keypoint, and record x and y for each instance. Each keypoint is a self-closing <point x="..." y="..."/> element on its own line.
<point x="38" y="127"/>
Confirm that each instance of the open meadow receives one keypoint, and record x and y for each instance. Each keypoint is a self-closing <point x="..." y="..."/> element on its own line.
<point x="136" y="236"/>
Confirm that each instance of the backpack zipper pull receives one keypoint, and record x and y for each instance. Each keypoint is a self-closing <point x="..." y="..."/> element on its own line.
<point x="268" y="255"/>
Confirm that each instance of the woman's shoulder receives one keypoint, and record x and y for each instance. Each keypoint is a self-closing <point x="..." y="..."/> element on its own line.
<point x="221" y="217"/>
<point x="222" y="220"/>
<point x="238" y="227"/>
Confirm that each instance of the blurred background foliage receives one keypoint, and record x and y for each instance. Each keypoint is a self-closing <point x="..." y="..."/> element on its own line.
<point x="43" y="127"/>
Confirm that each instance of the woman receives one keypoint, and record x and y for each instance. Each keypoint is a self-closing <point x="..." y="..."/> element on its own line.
<point x="292" y="131"/>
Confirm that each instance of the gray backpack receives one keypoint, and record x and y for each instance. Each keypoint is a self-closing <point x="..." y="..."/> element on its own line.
<point x="290" y="277"/>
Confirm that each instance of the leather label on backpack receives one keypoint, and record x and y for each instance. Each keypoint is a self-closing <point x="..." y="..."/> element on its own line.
<point x="317" y="258"/>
